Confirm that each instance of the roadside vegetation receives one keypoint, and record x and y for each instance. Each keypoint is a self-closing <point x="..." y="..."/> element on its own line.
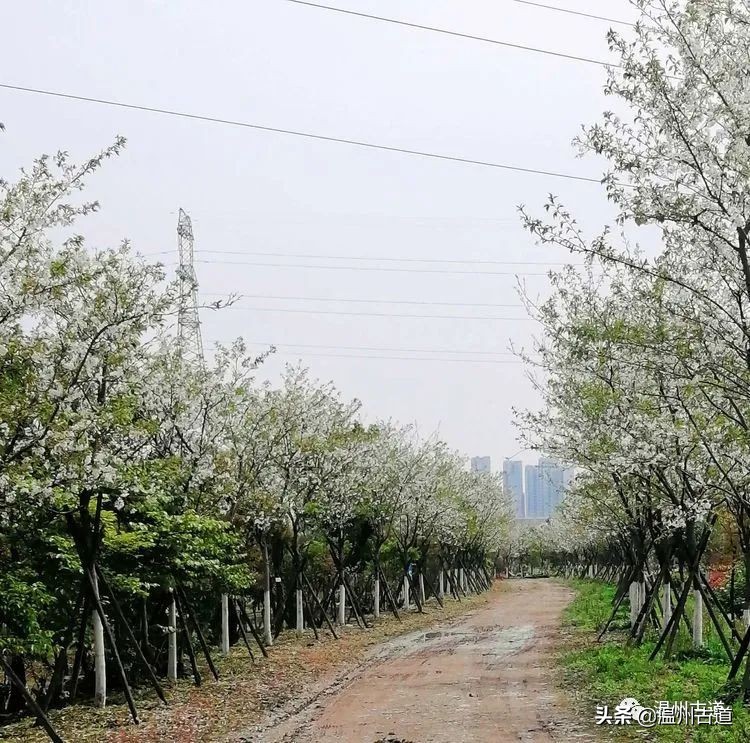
<point x="244" y="693"/>
<point x="158" y="507"/>
<point x="606" y="672"/>
<point x="643" y="357"/>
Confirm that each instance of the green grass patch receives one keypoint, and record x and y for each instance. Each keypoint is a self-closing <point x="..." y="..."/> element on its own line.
<point x="607" y="672"/>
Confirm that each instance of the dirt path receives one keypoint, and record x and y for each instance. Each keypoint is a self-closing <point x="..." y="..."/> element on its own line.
<point x="487" y="677"/>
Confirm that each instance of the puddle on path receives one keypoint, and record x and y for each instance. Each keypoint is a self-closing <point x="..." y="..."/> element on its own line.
<point x="487" y="641"/>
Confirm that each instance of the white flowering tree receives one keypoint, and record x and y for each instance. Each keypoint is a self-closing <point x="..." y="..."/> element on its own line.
<point x="657" y="348"/>
<point x="139" y="490"/>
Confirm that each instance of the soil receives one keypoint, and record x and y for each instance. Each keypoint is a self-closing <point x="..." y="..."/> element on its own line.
<point x="486" y="677"/>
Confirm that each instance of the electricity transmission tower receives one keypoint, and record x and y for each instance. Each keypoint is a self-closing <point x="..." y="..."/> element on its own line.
<point x="188" y="321"/>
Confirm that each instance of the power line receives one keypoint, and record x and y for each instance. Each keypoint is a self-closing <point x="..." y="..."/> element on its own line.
<point x="296" y="133"/>
<point x="398" y="358"/>
<point x="403" y="358"/>
<point x="372" y="268"/>
<point x="460" y="352"/>
<point x="373" y="314"/>
<point x="575" y="12"/>
<point x="362" y="301"/>
<point x="447" y="32"/>
<point x="471" y="261"/>
<point x="348" y="217"/>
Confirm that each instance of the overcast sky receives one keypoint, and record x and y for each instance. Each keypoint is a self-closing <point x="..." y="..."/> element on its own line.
<point x="248" y="192"/>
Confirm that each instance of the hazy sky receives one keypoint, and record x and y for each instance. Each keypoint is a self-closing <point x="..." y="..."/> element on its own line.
<point x="280" y="64"/>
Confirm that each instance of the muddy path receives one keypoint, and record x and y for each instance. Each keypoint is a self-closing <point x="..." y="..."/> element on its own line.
<point x="487" y="676"/>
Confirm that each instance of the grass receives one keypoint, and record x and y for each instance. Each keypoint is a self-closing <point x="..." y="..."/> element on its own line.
<point x="607" y="672"/>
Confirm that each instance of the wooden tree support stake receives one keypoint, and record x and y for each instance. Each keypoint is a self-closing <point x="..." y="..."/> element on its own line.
<point x="449" y="574"/>
<point x="29" y="699"/>
<point x="80" y="645"/>
<point x="714" y="619"/>
<point x="124" y="622"/>
<point x="319" y="605"/>
<point x="389" y="595"/>
<point x="61" y="658"/>
<point x="414" y="592"/>
<point x="717" y="602"/>
<point x="254" y="631"/>
<point x="198" y="631"/>
<point x="737" y="662"/>
<point x="112" y="643"/>
<point x="432" y="588"/>
<point x="188" y="640"/>
<point x="242" y="628"/>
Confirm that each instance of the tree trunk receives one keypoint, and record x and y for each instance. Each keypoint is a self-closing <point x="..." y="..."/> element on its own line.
<point x="267" y="631"/>
<point x="225" y="624"/>
<point x="697" y="619"/>
<point x="100" y="666"/>
<point x="342" y="605"/>
<point x="633" y="593"/>
<point x="300" y="611"/>
<point x="172" y="649"/>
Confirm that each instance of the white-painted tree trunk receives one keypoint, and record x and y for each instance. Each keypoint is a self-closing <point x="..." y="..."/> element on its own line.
<point x="225" y="624"/>
<point x="342" y="605"/>
<point x="441" y="585"/>
<point x="172" y="650"/>
<point x="633" y="595"/>
<point x="746" y="617"/>
<point x="267" y="632"/>
<point x="697" y="619"/>
<point x="300" y="612"/>
<point x="100" y="666"/>
<point x="421" y="589"/>
<point x="666" y="602"/>
<point x="376" y="599"/>
<point x="407" y="605"/>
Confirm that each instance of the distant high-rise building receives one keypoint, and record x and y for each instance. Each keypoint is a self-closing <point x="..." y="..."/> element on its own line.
<point x="534" y="502"/>
<point x="552" y="477"/>
<point x="480" y="464"/>
<point x="513" y="481"/>
<point x="545" y="487"/>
